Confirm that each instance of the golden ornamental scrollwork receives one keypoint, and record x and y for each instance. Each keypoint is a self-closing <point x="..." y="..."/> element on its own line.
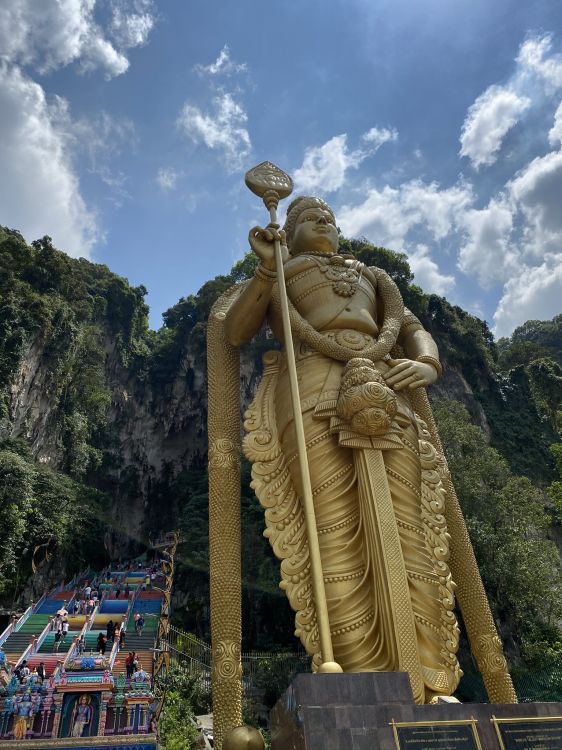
<point x="227" y="664"/>
<point x="489" y="653"/>
<point x="223" y="452"/>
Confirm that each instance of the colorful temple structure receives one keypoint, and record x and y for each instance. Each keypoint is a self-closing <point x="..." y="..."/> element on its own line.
<point x="89" y="699"/>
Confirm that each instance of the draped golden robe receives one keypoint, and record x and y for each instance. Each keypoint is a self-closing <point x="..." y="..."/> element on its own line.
<point x="379" y="503"/>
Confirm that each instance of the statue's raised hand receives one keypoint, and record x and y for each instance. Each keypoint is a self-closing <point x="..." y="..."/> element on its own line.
<point x="262" y="242"/>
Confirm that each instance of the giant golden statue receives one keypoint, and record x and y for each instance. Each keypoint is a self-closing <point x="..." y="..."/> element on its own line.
<point x="391" y="539"/>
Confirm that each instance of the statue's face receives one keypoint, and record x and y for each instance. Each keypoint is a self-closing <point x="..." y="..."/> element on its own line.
<point x="315" y="230"/>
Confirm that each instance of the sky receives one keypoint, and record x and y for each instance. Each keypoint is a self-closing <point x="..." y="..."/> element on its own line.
<point x="432" y="127"/>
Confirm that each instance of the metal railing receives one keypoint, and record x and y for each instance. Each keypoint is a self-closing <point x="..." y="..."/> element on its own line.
<point x="194" y="656"/>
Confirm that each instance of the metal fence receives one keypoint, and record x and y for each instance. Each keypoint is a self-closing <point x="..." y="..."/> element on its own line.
<point x="264" y="675"/>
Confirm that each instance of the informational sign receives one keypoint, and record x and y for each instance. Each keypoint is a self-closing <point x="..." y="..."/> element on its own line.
<point x="436" y="735"/>
<point x="542" y="733"/>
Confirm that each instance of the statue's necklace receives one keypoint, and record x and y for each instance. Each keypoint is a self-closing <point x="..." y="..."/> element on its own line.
<point x="345" y="280"/>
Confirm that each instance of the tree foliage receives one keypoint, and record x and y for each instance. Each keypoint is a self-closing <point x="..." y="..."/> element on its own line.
<point x="184" y="698"/>
<point x="509" y="529"/>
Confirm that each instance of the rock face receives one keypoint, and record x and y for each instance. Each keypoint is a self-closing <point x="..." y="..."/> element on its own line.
<point x="98" y="396"/>
<point x="153" y="431"/>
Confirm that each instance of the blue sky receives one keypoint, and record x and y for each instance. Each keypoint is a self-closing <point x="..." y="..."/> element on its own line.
<point x="432" y="127"/>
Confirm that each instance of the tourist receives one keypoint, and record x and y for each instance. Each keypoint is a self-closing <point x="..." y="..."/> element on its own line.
<point x="64" y="628"/>
<point x="87" y="591"/>
<point x="17" y="670"/>
<point x="127" y="591"/>
<point x="129" y="664"/>
<point x="51" y="624"/>
<point x="122" y="638"/>
<point x="90" y="606"/>
<point x="135" y="662"/>
<point x="139" y="625"/>
<point x="80" y="645"/>
<point x="58" y="636"/>
<point x="147" y="581"/>
<point x="25" y="671"/>
<point x="117" y="592"/>
<point x="41" y="671"/>
<point x="101" y="643"/>
<point x="136" y="618"/>
<point x="110" y="631"/>
<point x="76" y="608"/>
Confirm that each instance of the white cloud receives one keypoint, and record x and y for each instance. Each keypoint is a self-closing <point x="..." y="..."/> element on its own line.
<point x="487" y="254"/>
<point x="533" y="61"/>
<point x="377" y="136"/>
<point x="167" y="178"/>
<point x="427" y="273"/>
<point x="536" y="191"/>
<point x="49" y="34"/>
<point x="380" y="218"/>
<point x="223" y="65"/>
<point x="396" y="217"/>
<point x="437" y="209"/>
<point x="535" y="293"/>
<point x="222" y="130"/>
<point x="537" y="74"/>
<point x="132" y="22"/>
<point x="324" y="168"/>
<point x="488" y="120"/>
<point x="555" y="133"/>
<point x="39" y="190"/>
<point x="387" y="216"/>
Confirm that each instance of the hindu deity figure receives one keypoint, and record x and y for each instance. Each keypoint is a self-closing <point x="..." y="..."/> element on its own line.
<point x="379" y="481"/>
<point x="82" y="716"/>
<point x="363" y="438"/>
<point x="23" y="708"/>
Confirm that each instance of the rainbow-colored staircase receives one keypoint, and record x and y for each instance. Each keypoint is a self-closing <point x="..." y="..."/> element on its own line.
<point x="87" y="694"/>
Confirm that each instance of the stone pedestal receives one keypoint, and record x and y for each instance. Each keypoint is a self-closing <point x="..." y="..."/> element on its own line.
<point x="364" y="711"/>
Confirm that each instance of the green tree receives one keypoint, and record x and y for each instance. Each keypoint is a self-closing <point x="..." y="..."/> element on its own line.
<point x="508" y="526"/>
<point x="184" y="698"/>
<point x="16" y="499"/>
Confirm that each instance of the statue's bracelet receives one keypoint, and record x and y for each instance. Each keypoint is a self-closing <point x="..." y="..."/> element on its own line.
<point x="265" y="274"/>
<point x="429" y="360"/>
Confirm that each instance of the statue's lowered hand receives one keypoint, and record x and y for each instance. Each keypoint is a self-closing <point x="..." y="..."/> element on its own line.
<point x="407" y="373"/>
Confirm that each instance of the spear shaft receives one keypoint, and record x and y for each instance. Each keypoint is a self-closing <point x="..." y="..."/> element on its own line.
<point x="271" y="197"/>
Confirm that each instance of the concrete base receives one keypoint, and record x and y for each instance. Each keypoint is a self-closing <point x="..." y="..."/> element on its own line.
<point x="357" y="712"/>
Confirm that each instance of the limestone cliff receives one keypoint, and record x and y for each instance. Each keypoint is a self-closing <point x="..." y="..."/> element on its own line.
<point x="97" y="397"/>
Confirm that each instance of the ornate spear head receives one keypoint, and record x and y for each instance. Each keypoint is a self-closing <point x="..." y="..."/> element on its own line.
<point x="269" y="182"/>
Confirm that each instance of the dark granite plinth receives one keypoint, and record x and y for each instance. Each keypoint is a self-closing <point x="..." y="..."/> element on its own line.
<point x="356" y="711"/>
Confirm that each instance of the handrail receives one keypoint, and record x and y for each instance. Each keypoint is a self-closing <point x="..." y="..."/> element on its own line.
<point x="115" y="648"/>
<point x="7" y="632"/>
<point x="23" y="618"/>
<point x="42" y="635"/>
<point x="70" y="653"/>
<point x="82" y="634"/>
<point x="26" y="654"/>
<point x="39" y="602"/>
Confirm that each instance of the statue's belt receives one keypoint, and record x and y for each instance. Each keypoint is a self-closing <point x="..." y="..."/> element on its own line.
<point x="355" y="341"/>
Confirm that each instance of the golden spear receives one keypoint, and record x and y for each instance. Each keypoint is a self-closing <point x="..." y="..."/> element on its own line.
<point x="271" y="184"/>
